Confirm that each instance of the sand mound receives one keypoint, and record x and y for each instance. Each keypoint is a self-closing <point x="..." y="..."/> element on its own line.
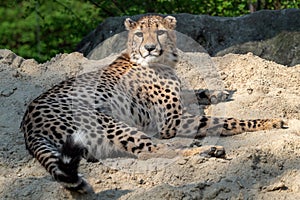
<point x="260" y="165"/>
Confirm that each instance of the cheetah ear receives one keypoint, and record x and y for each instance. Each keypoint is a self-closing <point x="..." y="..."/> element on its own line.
<point x="170" y="22"/>
<point x="129" y="24"/>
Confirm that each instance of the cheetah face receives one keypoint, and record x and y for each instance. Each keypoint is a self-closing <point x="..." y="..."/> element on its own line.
<point x="152" y="40"/>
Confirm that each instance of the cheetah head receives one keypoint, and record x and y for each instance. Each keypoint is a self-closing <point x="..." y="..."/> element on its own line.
<point x="152" y="39"/>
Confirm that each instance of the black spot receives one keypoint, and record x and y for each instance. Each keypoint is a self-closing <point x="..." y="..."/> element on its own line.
<point x="56" y="123"/>
<point x="93" y="135"/>
<point x="37" y="113"/>
<point x="38" y="120"/>
<point x="56" y="134"/>
<point x="105" y="119"/>
<point x="175" y="99"/>
<point x="30" y="109"/>
<point x="56" y="110"/>
<point x="225" y="126"/>
<point x="156" y="86"/>
<point x="249" y="124"/>
<point x="203" y="119"/>
<point x="254" y="122"/>
<point x="109" y="94"/>
<point x="167" y="90"/>
<point x="130" y="139"/>
<point x="169" y="106"/>
<point x="175" y="116"/>
<point x="110" y="130"/>
<point x="148" y="144"/>
<point x="39" y="125"/>
<point x="29" y="126"/>
<point x="47" y="111"/>
<point x="70" y="131"/>
<point x="119" y="132"/>
<point x="124" y="143"/>
<point x="62" y="127"/>
<point x="242" y="124"/>
<point x="141" y="146"/>
<point x="110" y="137"/>
<point x="131" y="109"/>
<point x="202" y="124"/>
<point x="65" y="108"/>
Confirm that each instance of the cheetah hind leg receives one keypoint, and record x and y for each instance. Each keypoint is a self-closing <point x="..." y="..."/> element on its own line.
<point x="208" y="150"/>
<point x="166" y="151"/>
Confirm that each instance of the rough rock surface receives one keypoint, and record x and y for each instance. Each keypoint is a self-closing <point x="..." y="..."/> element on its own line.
<point x="259" y="165"/>
<point x="273" y="35"/>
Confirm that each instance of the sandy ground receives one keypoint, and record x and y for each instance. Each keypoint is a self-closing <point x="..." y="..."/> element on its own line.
<point x="259" y="165"/>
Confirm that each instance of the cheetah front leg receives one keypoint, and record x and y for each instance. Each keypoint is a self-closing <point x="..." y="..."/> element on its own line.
<point x="167" y="151"/>
<point x="114" y="138"/>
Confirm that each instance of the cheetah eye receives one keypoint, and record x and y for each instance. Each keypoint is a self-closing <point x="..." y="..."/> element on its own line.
<point x="139" y="34"/>
<point x="160" y="32"/>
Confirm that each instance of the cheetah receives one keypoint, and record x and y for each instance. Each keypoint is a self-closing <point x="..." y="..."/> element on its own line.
<point x="104" y="113"/>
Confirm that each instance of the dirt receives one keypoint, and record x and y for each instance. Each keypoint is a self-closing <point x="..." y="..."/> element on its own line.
<point x="259" y="165"/>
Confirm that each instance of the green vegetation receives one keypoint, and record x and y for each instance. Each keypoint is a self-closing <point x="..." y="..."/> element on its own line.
<point x="40" y="29"/>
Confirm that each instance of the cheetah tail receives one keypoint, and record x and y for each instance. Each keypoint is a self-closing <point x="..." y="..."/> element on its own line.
<point x="235" y="126"/>
<point x="68" y="164"/>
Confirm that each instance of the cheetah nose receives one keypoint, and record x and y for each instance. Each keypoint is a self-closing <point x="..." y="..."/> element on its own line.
<point x="150" y="47"/>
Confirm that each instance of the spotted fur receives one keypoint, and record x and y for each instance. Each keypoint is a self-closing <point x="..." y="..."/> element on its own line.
<point x="107" y="113"/>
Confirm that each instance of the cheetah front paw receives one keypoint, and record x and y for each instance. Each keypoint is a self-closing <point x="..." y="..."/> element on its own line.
<point x="279" y="123"/>
<point x="218" y="96"/>
<point x="206" y="97"/>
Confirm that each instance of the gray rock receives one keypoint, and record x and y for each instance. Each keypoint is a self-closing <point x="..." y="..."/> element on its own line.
<point x="273" y="35"/>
